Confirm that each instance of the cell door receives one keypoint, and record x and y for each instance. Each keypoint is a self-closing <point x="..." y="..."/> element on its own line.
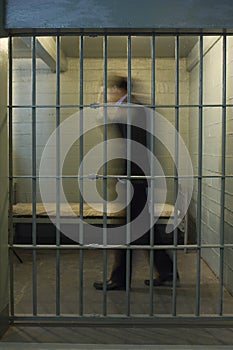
<point x="70" y="163"/>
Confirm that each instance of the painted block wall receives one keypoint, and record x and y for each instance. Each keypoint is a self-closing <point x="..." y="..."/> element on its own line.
<point x="3" y="189"/>
<point x="212" y="148"/>
<point x="93" y="70"/>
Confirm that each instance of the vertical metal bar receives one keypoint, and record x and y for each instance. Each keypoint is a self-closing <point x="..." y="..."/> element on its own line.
<point x="58" y="179"/>
<point x="176" y="183"/>
<point x="105" y="61"/>
<point x="152" y="165"/>
<point x="81" y="174"/>
<point x="11" y="227"/>
<point x="199" y="188"/>
<point x="34" y="240"/>
<point x="223" y="166"/>
<point x="128" y="195"/>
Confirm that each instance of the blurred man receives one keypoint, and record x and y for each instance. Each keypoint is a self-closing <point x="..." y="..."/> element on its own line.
<point x="118" y="97"/>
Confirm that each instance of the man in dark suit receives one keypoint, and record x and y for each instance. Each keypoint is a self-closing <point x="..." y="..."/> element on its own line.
<point x="117" y="96"/>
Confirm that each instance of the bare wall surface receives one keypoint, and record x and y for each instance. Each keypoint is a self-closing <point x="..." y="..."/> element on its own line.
<point x="46" y="94"/>
<point x="2" y="18"/>
<point x="67" y="14"/>
<point x="212" y="151"/>
<point x="3" y="188"/>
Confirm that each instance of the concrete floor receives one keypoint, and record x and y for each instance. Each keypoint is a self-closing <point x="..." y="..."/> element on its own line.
<point x="93" y="303"/>
<point x="33" y="346"/>
<point x="25" y="346"/>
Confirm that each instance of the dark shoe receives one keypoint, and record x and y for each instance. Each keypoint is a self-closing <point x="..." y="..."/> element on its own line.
<point x="166" y="282"/>
<point x="111" y="285"/>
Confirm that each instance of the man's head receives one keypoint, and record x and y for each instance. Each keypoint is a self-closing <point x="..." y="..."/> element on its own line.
<point x="116" y="88"/>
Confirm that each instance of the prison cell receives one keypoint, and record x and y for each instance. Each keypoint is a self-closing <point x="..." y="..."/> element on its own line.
<point x="187" y="80"/>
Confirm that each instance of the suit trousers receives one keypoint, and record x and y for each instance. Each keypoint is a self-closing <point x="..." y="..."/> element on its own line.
<point x="162" y="261"/>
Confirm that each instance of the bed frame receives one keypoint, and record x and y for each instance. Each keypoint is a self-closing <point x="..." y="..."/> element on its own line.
<point x="46" y="232"/>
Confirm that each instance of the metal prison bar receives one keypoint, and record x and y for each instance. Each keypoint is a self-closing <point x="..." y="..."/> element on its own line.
<point x="128" y="318"/>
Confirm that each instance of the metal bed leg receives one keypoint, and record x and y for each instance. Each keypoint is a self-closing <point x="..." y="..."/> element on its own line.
<point x="17" y="256"/>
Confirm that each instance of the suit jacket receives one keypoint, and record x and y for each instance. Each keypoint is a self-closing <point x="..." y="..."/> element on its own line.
<point x="136" y="131"/>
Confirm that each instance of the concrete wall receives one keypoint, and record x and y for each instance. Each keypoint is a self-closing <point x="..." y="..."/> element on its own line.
<point x="212" y="139"/>
<point x="93" y="71"/>
<point x="3" y="189"/>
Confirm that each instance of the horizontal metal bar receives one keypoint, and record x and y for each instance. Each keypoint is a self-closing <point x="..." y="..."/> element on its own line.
<point x="123" y="177"/>
<point x="110" y="320"/>
<point x="119" y="246"/>
<point x="100" y="32"/>
<point x="96" y="105"/>
<point x="122" y="32"/>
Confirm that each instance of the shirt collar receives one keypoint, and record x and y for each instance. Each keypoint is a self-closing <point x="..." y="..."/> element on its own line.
<point x="121" y="100"/>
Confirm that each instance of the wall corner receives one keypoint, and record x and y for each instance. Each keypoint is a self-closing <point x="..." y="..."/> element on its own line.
<point x="3" y="32"/>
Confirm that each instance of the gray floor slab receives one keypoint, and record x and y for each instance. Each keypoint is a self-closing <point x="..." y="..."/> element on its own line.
<point x="118" y="336"/>
<point x="56" y="346"/>
<point x="92" y="301"/>
<point x="147" y="337"/>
